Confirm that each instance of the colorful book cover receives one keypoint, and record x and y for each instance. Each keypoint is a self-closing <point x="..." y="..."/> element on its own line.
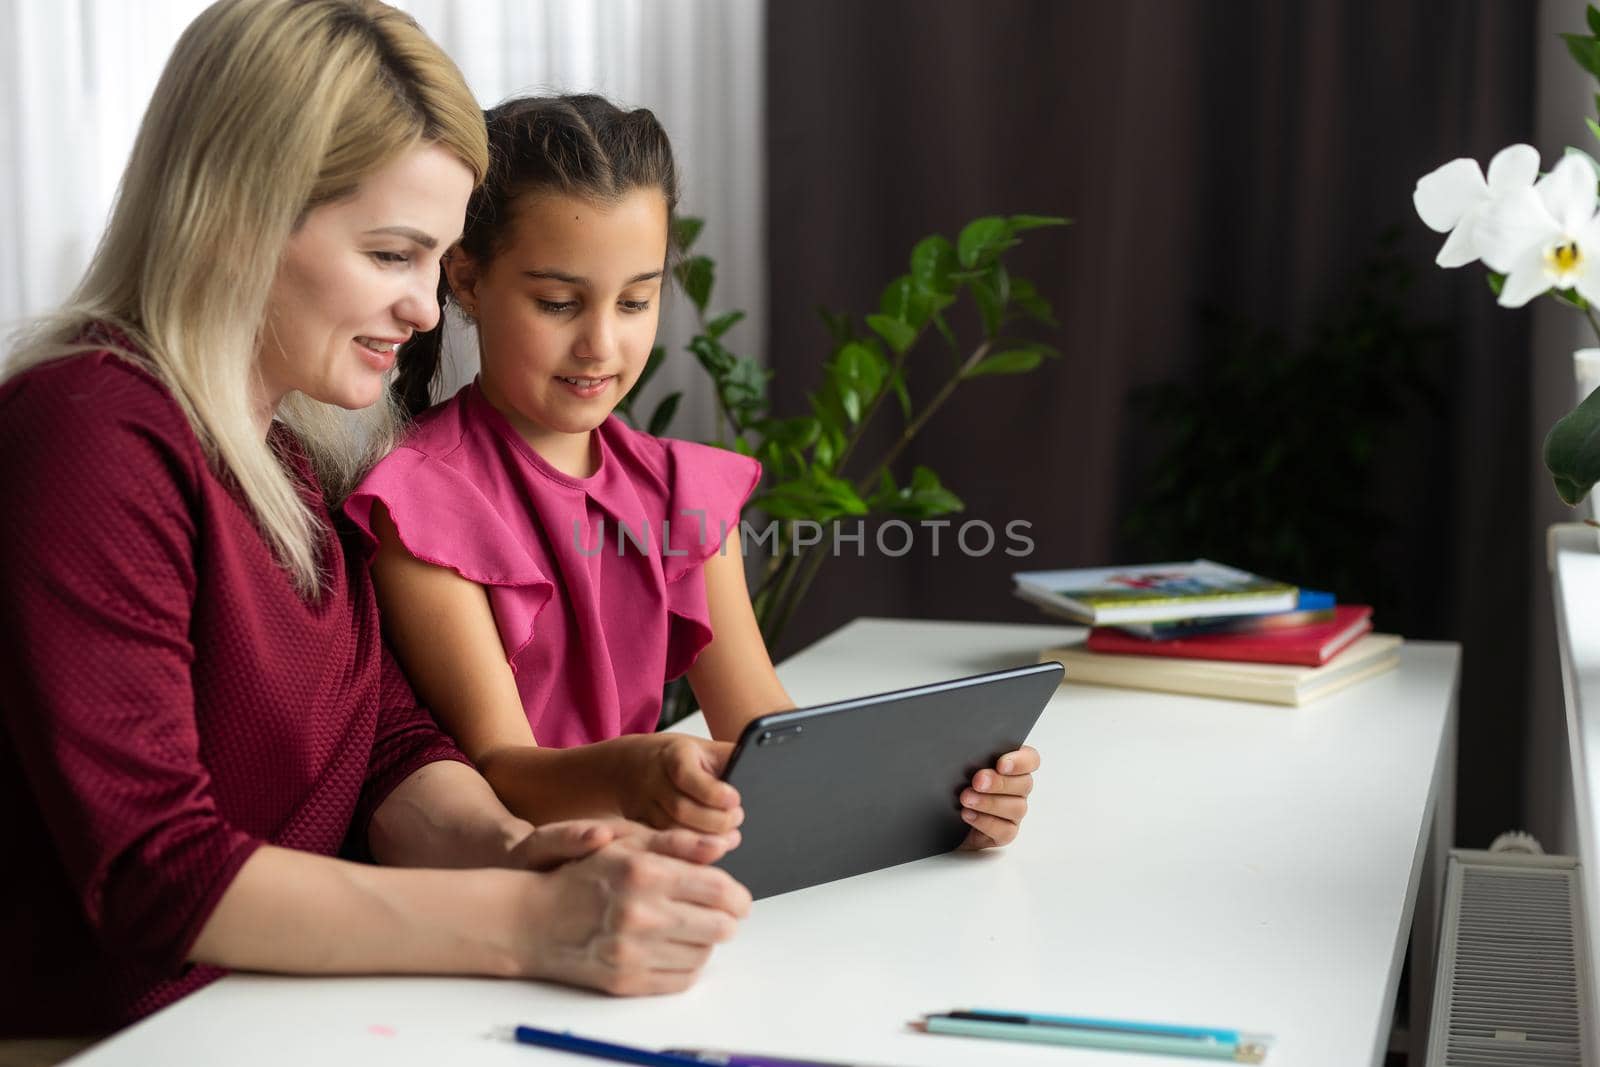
<point x="1163" y="591"/>
<point x="1310" y="607"/>
<point x="1309" y="646"/>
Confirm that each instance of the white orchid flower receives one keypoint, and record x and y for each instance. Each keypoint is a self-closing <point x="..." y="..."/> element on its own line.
<point x="1455" y="197"/>
<point x="1545" y="237"/>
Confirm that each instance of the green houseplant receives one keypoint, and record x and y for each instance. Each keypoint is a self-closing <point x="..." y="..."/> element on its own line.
<point x="818" y="472"/>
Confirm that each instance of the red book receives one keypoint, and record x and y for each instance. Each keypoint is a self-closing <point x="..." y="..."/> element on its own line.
<point x="1309" y="646"/>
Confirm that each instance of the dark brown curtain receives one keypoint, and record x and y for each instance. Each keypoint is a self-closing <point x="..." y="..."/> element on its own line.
<point x="1242" y="156"/>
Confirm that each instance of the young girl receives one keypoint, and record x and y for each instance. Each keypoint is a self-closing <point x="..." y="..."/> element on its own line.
<point x="542" y="568"/>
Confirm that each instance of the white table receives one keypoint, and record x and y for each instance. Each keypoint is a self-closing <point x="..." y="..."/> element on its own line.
<point x="1574" y="556"/>
<point x="1186" y="860"/>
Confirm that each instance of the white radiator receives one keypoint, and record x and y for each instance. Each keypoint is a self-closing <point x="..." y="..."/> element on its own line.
<point x="1511" y="982"/>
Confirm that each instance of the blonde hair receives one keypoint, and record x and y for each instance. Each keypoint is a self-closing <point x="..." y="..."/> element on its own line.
<point x="266" y="109"/>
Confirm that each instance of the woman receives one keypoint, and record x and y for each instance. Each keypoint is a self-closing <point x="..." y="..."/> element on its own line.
<point x="199" y="713"/>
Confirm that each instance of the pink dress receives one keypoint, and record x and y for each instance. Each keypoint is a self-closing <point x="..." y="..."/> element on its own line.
<point x="595" y="583"/>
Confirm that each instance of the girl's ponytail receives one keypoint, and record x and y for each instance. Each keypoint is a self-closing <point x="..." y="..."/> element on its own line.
<point x="418" y="361"/>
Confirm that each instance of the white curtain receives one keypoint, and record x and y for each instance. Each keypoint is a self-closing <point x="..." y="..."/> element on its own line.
<point x="77" y="76"/>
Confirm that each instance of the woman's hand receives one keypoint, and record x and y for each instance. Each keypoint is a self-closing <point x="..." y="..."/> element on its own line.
<point x="673" y="780"/>
<point x="996" y="801"/>
<point x="640" y="915"/>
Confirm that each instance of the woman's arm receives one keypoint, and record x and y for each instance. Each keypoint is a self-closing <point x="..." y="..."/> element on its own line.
<point x="443" y="631"/>
<point x="630" y="918"/>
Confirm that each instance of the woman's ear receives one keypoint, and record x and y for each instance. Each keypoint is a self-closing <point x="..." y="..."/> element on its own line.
<point x="462" y="271"/>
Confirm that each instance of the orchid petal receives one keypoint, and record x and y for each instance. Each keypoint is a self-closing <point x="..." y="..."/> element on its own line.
<point x="1569" y="193"/>
<point x="1513" y="166"/>
<point x="1446" y="194"/>
<point x="1525" y="280"/>
<point x="1511" y="226"/>
<point x="1461" y="247"/>
<point x="1588" y="280"/>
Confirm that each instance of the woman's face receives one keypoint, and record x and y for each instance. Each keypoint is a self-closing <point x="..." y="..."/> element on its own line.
<point x="567" y="310"/>
<point x="358" y="277"/>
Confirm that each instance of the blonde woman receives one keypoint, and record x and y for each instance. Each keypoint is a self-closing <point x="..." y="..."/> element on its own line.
<point x="199" y="714"/>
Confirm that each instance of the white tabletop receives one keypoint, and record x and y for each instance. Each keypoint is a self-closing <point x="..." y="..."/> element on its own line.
<point x="1186" y="860"/>
<point x="1575" y="570"/>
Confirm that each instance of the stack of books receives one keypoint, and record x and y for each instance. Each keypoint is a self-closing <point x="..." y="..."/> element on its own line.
<point x="1208" y="629"/>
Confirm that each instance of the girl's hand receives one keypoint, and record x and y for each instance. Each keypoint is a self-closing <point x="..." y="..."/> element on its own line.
<point x="671" y="780"/>
<point x="997" y="800"/>
<point x="554" y="844"/>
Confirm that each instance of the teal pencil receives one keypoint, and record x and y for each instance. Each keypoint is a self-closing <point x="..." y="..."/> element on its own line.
<point x="1244" y="1052"/>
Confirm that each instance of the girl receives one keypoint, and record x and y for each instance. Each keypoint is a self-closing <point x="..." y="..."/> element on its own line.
<point x="542" y="568"/>
<point x="196" y="712"/>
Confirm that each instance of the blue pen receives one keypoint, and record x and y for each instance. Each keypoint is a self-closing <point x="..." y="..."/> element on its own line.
<point x="604" y="1050"/>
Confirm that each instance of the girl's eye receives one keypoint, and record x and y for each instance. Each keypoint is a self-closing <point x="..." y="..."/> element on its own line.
<point x="635" y="305"/>
<point x="390" y="258"/>
<point x="556" y="307"/>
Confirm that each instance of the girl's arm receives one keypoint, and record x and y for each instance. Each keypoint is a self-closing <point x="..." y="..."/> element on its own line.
<point x="733" y="678"/>
<point x="443" y="632"/>
<point x="735" y="682"/>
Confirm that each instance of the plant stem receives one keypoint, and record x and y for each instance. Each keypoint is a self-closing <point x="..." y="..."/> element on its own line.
<point x="872" y="409"/>
<point x="807" y="566"/>
<point x="927" y="413"/>
<point x="1594" y="324"/>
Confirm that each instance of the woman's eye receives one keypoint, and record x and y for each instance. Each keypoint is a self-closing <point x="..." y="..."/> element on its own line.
<point x="635" y="305"/>
<point x="556" y="307"/>
<point x="390" y="258"/>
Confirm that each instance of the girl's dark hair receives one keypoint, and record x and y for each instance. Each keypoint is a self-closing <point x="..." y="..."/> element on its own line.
<point x="583" y="146"/>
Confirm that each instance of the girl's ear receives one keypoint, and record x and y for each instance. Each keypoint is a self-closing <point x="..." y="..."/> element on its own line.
<point x="462" y="271"/>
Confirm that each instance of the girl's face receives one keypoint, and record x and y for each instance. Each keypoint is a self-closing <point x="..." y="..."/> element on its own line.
<point x="567" y="310"/>
<point x="358" y="277"/>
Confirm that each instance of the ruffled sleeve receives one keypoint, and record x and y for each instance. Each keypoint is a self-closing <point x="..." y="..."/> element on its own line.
<point x="444" y="519"/>
<point x="707" y="490"/>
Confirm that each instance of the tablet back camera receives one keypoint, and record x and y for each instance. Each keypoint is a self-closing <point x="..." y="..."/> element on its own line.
<point x="779" y="735"/>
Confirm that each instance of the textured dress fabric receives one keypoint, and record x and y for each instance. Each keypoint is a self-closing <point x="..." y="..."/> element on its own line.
<point x="170" y="702"/>
<point x="596" y="584"/>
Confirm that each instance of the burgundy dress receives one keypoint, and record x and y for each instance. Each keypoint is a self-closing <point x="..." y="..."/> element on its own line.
<point x="169" y="701"/>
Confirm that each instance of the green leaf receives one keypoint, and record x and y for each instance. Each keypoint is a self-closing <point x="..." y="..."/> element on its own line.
<point x="1496" y="280"/>
<point x="897" y="382"/>
<point x="1593" y="17"/>
<point x="723" y="323"/>
<point x="898" y="335"/>
<point x="686" y="230"/>
<point x="850" y="400"/>
<point x="697" y="274"/>
<point x="717" y="360"/>
<point x="992" y="291"/>
<point x="1570" y="296"/>
<point x="924" y="498"/>
<point x="1572" y="450"/>
<point x="1594" y="127"/>
<point x="1583" y="50"/>
<point x="839" y="327"/>
<point x="1036" y="307"/>
<point x="661" y="418"/>
<point x="933" y="260"/>
<point x="980" y="238"/>
<point x="1012" y="361"/>
<point x="1034" y="222"/>
<point x="946" y="332"/>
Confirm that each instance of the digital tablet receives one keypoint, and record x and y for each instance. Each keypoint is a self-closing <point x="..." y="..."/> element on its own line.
<point x="857" y="785"/>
